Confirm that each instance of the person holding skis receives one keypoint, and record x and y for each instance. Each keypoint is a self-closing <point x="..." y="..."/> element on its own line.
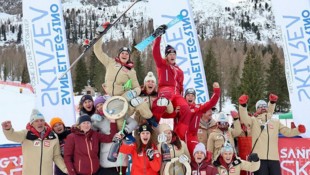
<point x="121" y="79"/>
<point x="170" y="81"/>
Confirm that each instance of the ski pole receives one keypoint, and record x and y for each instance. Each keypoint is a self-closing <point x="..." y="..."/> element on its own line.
<point x="94" y="41"/>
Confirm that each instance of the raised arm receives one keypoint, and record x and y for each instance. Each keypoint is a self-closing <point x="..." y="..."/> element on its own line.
<point x="213" y="100"/>
<point x="243" y="112"/>
<point x="156" y="53"/>
<point x="10" y="134"/>
<point x="102" y="56"/>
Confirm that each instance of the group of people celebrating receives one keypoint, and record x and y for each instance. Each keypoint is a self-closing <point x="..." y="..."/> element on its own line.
<point x="198" y="143"/>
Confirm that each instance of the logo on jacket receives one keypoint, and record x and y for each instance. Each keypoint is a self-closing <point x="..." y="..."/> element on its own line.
<point x="47" y="143"/>
<point x="36" y="143"/>
<point x="232" y="170"/>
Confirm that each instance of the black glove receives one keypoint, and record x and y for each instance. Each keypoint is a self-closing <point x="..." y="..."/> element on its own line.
<point x="253" y="157"/>
<point x="150" y="154"/>
<point x="160" y="31"/>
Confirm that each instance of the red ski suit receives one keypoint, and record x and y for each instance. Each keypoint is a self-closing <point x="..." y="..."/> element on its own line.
<point x="197" y="111"/>
<point x="170" y="86"/>
<point x="141" y="165"/>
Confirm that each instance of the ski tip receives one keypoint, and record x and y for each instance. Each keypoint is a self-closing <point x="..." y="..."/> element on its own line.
<point x="139" y="48"/>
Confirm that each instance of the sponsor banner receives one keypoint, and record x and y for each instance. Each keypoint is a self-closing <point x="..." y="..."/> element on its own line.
<point x="11" y="161"/>
<point x="294" y="156"/>
<point x="183" y="37"/>
<point x="45" y="43"/>
<point x="294" y="21"/>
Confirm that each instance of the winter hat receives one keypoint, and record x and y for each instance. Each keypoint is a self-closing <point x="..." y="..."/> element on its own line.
<point x="122" y="50"/>
<point x="169" y="49"/>
<point x="222" y="117"/>
<point x="200" y="147"/>
<point x="261" y="103"/>
<point x="56" y="120"/>
<point x="227" y="147"/>
<point x="35" y="115"/>
<point x="149" y="76"/>
<point x="145" y="127"/>
<point x="190" y="91"/>
<point x="86" y="97"/>
<point x="84" y="118"/>
<point x="99" y="99"/>
<point x="164" y="127"/>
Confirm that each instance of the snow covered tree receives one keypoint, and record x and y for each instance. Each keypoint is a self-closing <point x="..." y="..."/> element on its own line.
<point x="25" y="74"/>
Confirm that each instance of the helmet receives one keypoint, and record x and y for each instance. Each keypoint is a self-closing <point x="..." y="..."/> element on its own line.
<point x="190" y="91"/>
<point x="227" y="147"/>
<point x="261" y="104"/>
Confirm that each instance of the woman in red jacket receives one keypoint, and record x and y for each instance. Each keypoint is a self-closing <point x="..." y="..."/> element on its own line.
<point x="82" y="146"/>
<point x="170" y="84"/>
<point x="145" y="157"/>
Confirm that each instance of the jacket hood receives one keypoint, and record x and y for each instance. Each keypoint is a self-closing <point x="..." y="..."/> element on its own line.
<point x="48" y="130"/>
<point x="129" y="65"/>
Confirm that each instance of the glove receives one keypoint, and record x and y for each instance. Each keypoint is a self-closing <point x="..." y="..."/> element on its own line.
<point x="102" y="27"/>
<point x="253" y="157"/>
<point x="130" y="94"/>
<point x="86" y="42"/>
<point x="161" y="138"/>
<point x="234" y="114"/>
<point x="209" y="157"/>
<point x="293" y="125"/>
<point x="96" y="117"/>
<point x="150" y="154"/>
<point x="160" y="31"/>
<point x="162" y="101"/>
<point x="151" y="121"/>
<point x="136" y="101"/>
<point x="301" y="129"/>
<point x="183" y="158"/>
<point x="243" y="99"/>
<point x="273" y="98"/>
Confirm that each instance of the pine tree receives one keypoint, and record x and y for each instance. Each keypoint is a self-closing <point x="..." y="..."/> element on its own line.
<point x="252" y="81"/>
<point x="25" y="75"/>
<point x="19" y="34"/>
<point x="234" y="84"/>
<point x="276" y="83"/>
<point x="210" y="67"/>
<point x="138" y="62"/>
<point x="97" y="72"/>
<point x="81" y="78"/>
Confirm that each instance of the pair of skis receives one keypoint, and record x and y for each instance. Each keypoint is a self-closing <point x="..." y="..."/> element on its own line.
<point x="141" y="46"/>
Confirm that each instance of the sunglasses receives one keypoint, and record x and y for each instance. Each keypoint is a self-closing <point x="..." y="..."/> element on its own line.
<point x="262" y="106"/>
<point x="223" y="123"/>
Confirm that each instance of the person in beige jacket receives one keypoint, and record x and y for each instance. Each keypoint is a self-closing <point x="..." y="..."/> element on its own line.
<point x="223" y="133"/>
<point x="228" y="163"/>
<point x="40" y="145"/>
<point x="120" y="72"/>
<point x="178" y="149"/>
<point x="206" y="126"/>
<point x="265" y="131"/>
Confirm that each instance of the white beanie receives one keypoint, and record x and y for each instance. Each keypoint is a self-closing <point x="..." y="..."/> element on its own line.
<point x="149" y="76"/>
<point x="35" y="115"/>
<point x="222" y="117"/>
<point x="260" y="103"/>
<point x="200" y="147"/>
<point x="164" y="127"/>
<point x="227" y="147"/>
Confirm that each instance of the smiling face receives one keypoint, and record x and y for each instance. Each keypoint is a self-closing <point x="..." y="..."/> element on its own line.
<point x="199" y="156"/>
<point x="171" y="58"/>
<point x="59" y="128"/>
<point x="145" y="137"/>
<point x="227" y="156"/>
<point x="39" y="125"/>
<point x="85" y="126"/>
<point x="168" y="134"/>
<point x="99" y="107"/>
<point x="124" y="57"/>
<point x="207" y="116"/>
<point x="150" y="86"/>
<point x="88" y="105"/>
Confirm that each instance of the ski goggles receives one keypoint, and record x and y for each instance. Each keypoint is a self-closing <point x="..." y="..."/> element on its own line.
<point x="223" y="123"/>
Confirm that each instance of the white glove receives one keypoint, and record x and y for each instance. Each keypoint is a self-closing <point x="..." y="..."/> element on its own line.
<point x="161" y="138"/>
<point x="136" y="101"/>
<point x="131" y="94"/>
<point x="162" y="101"/>
<point x="96" y="117"/>
<point x="183" y="158"/>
